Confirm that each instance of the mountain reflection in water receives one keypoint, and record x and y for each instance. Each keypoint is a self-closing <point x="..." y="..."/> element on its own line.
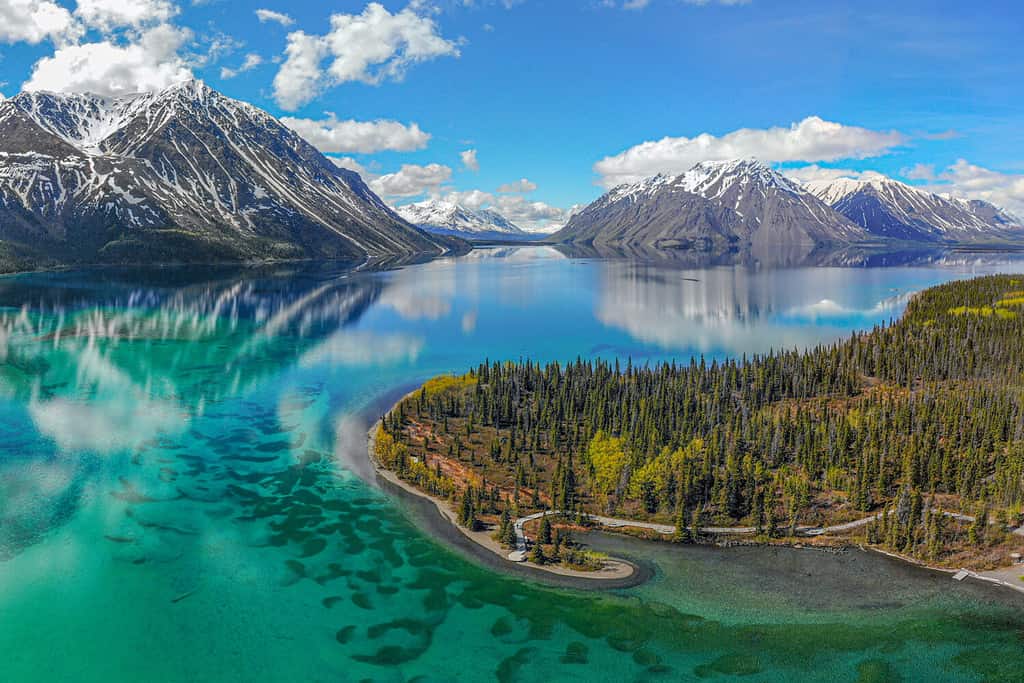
<point x="182" y="465"/>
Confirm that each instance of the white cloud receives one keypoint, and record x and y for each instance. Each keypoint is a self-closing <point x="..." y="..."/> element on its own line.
<point x="217" y="46"/>
<point x="252" y="60"/>
<point x="964" y="179"/>
<point x="109" y="14"/>
<point x="265" y="15"/>
<point x="469" y="160"/>
<point x="521" y="185"/>
<point x="412" y="181"/>
<point x="371" y="47"/>
<point x="299" y="78"/>
<point x="353" y="165"/>
<point x="531" y="216"/>
<point x="34" y="21"/>
<point x="150" y="63"/>
<point x="812" y="139"/>
<point x="361" y="137"/>
<point x="471" y="199"/>
<point x="919" y="172"/>
<point x="812" y="173"/>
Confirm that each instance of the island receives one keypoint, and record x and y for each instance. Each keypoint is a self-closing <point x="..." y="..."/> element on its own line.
<point x="907" y="438"/>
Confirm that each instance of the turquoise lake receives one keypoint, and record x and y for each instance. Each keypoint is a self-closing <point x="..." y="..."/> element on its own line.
<point x="183" y="491"/>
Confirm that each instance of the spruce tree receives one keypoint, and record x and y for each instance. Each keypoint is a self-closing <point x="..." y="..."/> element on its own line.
<point x="537" y="554"/>
<point x="544" y="535"/>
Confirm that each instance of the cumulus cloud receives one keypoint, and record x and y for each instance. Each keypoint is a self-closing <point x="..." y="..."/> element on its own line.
<point x="411" y="181"/>
<point x="966" y="180"/>
<point x="34" y="21"/>
<point x="151" y="62"/>
<point x="371" y="47"/>
<point x="252" y="60"/>
<point x="471" y="199"/>
<point x="352" y="165"/>
<point x="814" y="173"/>
<point x="531" y="216"/>
<point x="522" y="185"/>
<point x="919" y="172"/>
<point x="109" y="14"/>
<point x="333" y="136"/>
<point x="812" y="139"/>
<point x="469" y="160"/>
<point x="265" y="15"/>
<point x="299" y="78"/>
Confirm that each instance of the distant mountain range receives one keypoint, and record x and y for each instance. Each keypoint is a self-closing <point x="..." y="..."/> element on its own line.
<point x="187" y="175"/>
<point x="736" y="204"/>
<point x="711" y="206"/>
<point x="889" y="208"/>
<point x="448" y="218"/>
<point x="182" y="175"/>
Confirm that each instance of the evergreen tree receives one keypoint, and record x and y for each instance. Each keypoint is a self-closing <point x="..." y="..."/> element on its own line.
<point x="930" y="404"/>
<point x="467" y="510"/>
<point x="537" y="554"/>
<point x="544" y="535"/>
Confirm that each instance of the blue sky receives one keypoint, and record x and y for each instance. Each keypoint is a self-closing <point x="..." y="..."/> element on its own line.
<point x="565" y="93"/>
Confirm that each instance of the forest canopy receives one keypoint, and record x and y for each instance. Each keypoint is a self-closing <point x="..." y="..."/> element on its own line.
<point x="923" y="412"/>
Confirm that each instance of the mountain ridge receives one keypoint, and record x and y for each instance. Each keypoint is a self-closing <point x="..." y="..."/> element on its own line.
<point x="450" y="218"/>
<point x="710" y="206"/>
<point x="886" y="207"/>
<point x="185" y="175"/>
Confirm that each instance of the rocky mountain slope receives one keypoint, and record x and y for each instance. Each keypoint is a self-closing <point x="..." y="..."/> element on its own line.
<point x="889" y="208"/>
<point x="713" y="205"/>
<point x="181" y="175"/>
<point x="448" y="218"/>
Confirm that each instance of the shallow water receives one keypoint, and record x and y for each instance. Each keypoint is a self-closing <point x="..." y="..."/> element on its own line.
<point x="181" y="491"/>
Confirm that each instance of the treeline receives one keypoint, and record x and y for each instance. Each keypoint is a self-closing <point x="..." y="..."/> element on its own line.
<point x="927" y="406"/>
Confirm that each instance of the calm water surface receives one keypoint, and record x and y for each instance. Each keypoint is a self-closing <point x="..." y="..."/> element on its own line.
<point x="181" y="492"/>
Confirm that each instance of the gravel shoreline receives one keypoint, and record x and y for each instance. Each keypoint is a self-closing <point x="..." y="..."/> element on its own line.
<point x="438" y="518"/>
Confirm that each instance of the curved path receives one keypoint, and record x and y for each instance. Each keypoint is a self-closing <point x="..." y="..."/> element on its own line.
<point x="519" y="554"/>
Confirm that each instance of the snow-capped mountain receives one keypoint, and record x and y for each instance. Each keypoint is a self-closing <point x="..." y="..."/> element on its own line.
<point x="713" y="205"/>
<point x="889" y="208"/>
<point x="184" y="175"/>
<point x="449" y="218"/>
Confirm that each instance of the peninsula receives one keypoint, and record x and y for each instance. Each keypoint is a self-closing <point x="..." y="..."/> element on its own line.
<point x="906" y="438"/>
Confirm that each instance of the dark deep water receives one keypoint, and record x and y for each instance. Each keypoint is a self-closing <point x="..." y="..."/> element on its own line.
<point x="181" y="499"/>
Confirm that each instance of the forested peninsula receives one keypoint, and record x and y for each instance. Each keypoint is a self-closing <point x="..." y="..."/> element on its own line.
<point x="913" y="431"/>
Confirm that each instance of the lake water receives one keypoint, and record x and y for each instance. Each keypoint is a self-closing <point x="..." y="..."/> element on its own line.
<point x="182" y="497"/>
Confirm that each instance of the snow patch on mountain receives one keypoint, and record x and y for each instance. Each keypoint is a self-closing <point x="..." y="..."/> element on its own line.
<point x="436" y="215"/>
<point x="890" y="208"/>
<point x="714" y="204"/>
<point x="202" y="175"/>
